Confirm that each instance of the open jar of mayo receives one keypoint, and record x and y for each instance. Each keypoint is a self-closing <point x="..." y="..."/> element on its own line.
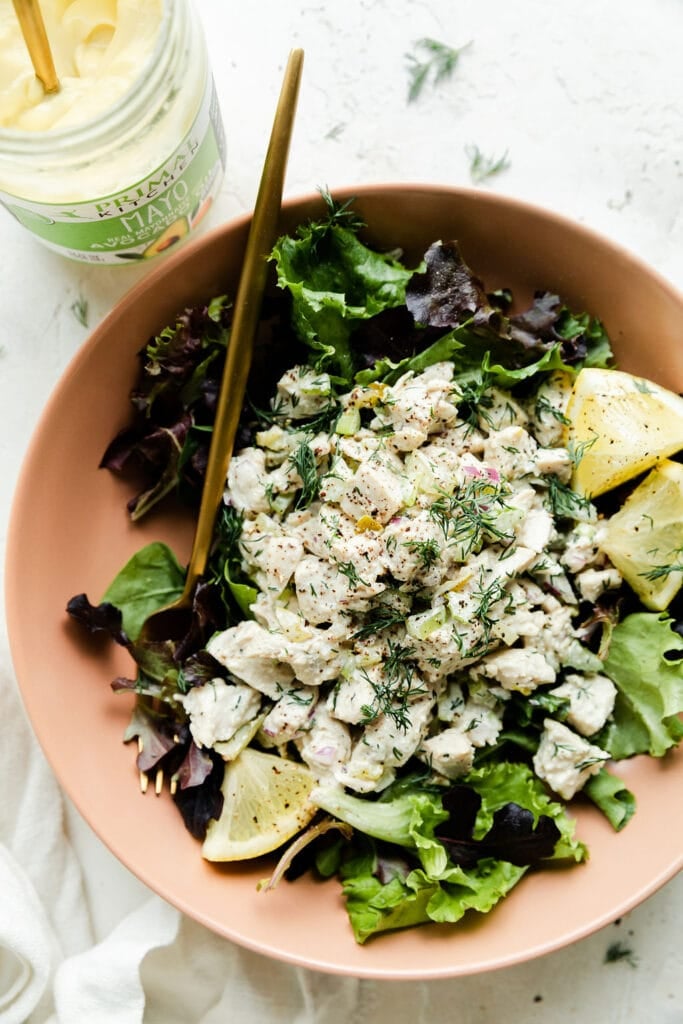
<point x="126" y="158"/>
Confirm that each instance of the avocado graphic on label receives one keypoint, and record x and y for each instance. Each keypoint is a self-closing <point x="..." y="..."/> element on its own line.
<point x="173" y="233"/>
<point x="200" y="210"/>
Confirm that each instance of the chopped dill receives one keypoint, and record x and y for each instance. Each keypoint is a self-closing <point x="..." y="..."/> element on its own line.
<point x="577" y="451"/>
<point x="322" y="421"/>
<point x="483" y="167"/>
<point x="427" y="551"/>
<point x="392" y="697"/>
<point x="564" y="502"/>
<point x="617" y="951"/>
<point x="296" y="697"/>
<point x="79" y="308"/>
<point x="349" y="570"/>
<point x="661" y="572"/>
<point x="588" y="762"/>
<point x="473" y="400"/>
<point x="383" y="617"/>
<point x="436" y="61"/>
<point x="468" y="517"/>
<point x="542" y="406"/>
<point x="487" y="596"/>
<point x="303" y="461"/>
<point x="398" y="667"/>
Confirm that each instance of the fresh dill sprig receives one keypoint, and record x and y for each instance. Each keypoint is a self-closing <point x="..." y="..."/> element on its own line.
<point x="383" y="617"/>
<point x="577" y="451"/>
<point x="393" y="696"/>
<point x="349" y="570"/>
<point x="469" y="516"/>
<point x="427" y="551"/>
<point x="226" y="557"/>
<point x="341" y="214"/>
<point x="482" y="166"/>
<point x="269" y="417"/>
<point x="564" y="502"/>
<point x="398" y="667"/>
<point x="336" y="130"/>
<point x="617" y="951"/>
<point x="661" y="572"/>
<point x="79" y="308"/>
<point x="325" y="419"/>
<point x="321" y="421"/>
<point x="436" y="61"/>
<point x="542" y="405"/>
<point x="486" y="596"/>
<point x="303" y="461"/>
<point x="473" y="400"/>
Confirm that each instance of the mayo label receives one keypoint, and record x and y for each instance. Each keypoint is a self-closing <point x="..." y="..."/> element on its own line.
<point x="146" y="218"/>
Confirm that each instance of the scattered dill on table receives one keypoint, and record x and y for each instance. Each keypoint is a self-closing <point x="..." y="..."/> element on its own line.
<point x="482" y="166"/>
<point x="617" y="951"/>
<point x="79" y="308"/>
<point x="433" y="61"/>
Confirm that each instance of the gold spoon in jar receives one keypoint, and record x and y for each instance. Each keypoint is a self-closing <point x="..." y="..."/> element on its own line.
<point x="32" y="26"/>
<point x="164" y="623"/>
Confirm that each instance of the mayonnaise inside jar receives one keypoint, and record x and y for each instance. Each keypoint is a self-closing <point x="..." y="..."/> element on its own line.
<point x="126" y="158"/>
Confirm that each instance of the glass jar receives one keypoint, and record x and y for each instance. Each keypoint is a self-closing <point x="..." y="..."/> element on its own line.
<point x="135" y="179"/>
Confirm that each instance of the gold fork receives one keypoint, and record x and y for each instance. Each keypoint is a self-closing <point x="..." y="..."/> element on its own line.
<point x="262" y="236"/>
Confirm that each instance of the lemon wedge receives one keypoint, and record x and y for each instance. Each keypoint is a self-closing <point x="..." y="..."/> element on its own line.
<point x="265" y="803"/>
<point x="644" y="539"/>
<point x="619" y="426"/>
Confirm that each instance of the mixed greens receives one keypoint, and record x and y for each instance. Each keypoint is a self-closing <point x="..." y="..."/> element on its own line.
<point x="342" y="341"/>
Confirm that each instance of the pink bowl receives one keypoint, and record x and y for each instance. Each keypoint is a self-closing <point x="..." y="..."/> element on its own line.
<point x="70" y="533"/>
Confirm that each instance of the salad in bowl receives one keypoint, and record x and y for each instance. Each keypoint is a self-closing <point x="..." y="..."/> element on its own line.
<point x="442" y="600"/>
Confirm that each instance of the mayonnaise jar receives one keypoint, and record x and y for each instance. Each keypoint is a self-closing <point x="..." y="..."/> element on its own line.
<point x="126" y="158"/>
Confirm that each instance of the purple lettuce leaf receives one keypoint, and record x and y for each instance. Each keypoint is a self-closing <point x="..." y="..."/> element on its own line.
<point x="199" y="804"/>
<point x="513" y="835"/>
<point x="447" y="293"/>
<point x="164" y="446"/>
<point x="195" y="767"/>
<point x="100" y="618"/>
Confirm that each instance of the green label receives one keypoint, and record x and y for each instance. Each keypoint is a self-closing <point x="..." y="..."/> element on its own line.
<point x="148" y="217"/>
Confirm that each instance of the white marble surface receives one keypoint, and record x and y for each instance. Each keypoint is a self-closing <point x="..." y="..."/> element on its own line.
<point x="585" y="98"/>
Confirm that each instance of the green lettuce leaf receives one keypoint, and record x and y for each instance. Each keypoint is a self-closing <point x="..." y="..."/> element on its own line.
<point x="335" y="281"/>
<point x="149" y="580"/>
<point x="470" y="351"/>
<point x="436" y="890"/>
<point x="374" y="907"/>
<point x="598" y="349"/>
<point x="407" y="820"/>
<point x="650" y="687"/>
<point x="441" y="350"/>
<point x="507" y="782"/>
<point x="614" y="799"/>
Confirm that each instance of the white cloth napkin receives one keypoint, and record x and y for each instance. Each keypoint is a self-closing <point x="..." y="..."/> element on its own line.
<point x="26" y="946"/>
<point x="43" y="914"/>
<point x="102" y="984"/>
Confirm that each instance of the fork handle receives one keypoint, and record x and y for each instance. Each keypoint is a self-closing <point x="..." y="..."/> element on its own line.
<point x="260" y="242"/>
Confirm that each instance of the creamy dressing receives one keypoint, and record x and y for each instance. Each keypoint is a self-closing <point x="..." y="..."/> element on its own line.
<point x="99" y="48"/>
<point x="124" y="161"/>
